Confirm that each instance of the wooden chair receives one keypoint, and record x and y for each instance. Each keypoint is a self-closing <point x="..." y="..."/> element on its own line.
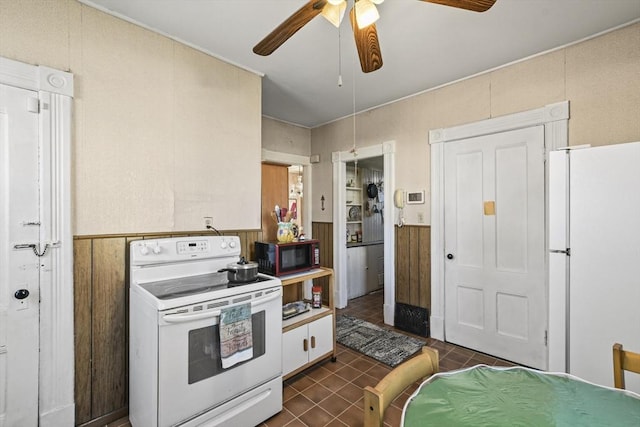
<point x="377" y="399"/>
<point x="624" y="361"/>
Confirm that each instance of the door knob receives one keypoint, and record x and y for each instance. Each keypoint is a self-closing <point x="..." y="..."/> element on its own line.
<point x="21" y="294"/>
<point x="449" y="256"/>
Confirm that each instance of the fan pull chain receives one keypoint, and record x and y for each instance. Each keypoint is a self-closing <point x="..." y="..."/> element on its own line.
<point x="339" y="59"/>
<point x="353" y="150"/>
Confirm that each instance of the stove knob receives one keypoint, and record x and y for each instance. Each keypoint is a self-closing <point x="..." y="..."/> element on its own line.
<point x="232" y="244"/>
<point x="223" y="245"/>
<point x="157" y="249"/>
<point x="144" y="250"/>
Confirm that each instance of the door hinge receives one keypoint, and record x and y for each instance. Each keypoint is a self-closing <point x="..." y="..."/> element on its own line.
<point x="546" y="338"/>
<point x="33" y="105"/>
<point x="567" y="251"/>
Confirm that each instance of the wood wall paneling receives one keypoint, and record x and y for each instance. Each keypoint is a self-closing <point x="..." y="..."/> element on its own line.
<point x="323" y="232"/>
<point x="413" y="265"/>
<point x="402" y="265"/>
<point x="109" y="333"/>
<point x="82" y="330"/>
<point x="424" y="264"/>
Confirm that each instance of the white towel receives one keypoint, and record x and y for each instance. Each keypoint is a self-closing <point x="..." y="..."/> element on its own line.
<point x="236" y="339"/>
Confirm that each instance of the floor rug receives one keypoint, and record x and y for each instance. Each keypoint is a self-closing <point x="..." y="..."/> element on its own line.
<point x="388" y="347"/>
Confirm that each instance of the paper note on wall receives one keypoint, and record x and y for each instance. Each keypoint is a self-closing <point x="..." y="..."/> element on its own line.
<point x="490" y="208"/>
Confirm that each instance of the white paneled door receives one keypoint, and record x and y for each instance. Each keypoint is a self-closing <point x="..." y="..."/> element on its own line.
<point x="494" y="222"/>
<point x="19" y="268"/>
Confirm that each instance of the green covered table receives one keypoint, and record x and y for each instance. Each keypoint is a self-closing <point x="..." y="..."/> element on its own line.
<point x="489" y="396"/>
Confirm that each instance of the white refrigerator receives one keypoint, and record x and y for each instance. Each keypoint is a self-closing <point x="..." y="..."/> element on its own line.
<point x="594" y="258"/>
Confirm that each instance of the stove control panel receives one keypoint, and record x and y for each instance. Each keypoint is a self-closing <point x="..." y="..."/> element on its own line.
<point x="177" y="249"/>
<point x="192" y="246"/>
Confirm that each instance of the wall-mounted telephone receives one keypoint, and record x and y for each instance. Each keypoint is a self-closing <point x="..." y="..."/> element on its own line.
<point x="398" y="198"/>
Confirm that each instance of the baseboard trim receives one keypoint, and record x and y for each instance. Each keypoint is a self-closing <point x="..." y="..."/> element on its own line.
<point x="437" y="327"/>
<point x="62" y="416"/>
<point x="106" y="419"/>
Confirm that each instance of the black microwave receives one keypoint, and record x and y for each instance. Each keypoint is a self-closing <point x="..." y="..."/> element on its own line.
<point x="278" y="259"/>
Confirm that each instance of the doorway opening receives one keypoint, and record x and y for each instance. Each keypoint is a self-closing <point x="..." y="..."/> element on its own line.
<point x="344" y="170"/>
<point x="285" y="178"/>
<point x="295" y="205"/>
<point x="365" y="198"/>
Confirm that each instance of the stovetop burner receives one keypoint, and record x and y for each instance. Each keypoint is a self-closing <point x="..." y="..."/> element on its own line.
<point x="184" y="286"/>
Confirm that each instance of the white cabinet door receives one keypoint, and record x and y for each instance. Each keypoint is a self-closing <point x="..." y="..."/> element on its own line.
<point x="374" y="268"/>
<point x="356" y="271"/>
<point x="320" y="337"/>
<point x="293" y="352"/>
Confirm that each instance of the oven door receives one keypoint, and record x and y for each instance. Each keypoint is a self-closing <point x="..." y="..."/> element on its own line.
<point x="191" y="380"/>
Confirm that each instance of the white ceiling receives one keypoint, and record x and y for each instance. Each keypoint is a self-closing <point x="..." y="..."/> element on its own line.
<point x="423" y="45"/>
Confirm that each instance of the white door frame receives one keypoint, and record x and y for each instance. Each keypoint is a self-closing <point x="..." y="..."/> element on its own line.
<point x="56" y="378"/>
<point x="340" y="159"/>
<point x="554" y="118"/>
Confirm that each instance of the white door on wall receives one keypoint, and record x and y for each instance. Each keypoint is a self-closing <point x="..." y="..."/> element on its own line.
<point x="494" y="228"/>
<point x="19" y="268"/>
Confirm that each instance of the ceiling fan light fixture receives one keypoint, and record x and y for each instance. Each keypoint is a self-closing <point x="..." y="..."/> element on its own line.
<point x="334" y="12"/>
<point x="366" y="13"/>
<point x="337" y="2"/>
<point x="377" y="1"/>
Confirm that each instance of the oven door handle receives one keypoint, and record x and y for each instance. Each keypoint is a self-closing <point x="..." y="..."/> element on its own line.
<point x="182" y="318"/>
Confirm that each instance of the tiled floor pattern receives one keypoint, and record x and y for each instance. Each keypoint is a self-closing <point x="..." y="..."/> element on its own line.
<point x="330" y="393"/>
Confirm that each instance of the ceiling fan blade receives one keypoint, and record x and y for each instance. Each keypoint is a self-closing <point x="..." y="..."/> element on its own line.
<point x="289" y="27"/>
<point x="367" y="45"/>
<point x="474" y="5"/>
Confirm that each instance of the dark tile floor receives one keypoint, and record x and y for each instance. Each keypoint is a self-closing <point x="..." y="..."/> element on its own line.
<point x="330" y="393"/>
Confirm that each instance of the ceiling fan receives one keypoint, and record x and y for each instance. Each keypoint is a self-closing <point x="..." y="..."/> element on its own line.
<point x="363" y="16"/>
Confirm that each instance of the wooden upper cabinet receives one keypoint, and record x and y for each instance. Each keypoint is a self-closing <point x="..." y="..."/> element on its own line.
<point x="275" y="184"/>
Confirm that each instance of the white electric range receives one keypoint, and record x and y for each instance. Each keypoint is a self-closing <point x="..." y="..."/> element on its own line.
<point x="176" y="376"/>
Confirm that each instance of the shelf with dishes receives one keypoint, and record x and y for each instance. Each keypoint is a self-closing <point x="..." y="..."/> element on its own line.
<point x="354" y="204"/>
<point x="354" y="213"/>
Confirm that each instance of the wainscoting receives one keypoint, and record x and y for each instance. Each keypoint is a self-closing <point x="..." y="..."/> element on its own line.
<point x="413" y="260"/>
<point x="101" y="283"/>
<point x="413" y="265"/>
<point x="323" y="231"/>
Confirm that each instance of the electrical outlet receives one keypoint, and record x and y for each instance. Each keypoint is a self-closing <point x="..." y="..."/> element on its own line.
<point x="420" y="217"/>
<point x="208" y="221"/>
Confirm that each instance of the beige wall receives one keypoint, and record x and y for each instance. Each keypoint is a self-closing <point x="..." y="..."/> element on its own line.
<point x="163" y="134"/>
<point x="599" y="78"/>
<point x="285" y="138"/>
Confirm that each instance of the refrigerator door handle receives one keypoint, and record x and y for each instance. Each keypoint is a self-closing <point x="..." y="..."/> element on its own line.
<point x="567" y="251"/>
